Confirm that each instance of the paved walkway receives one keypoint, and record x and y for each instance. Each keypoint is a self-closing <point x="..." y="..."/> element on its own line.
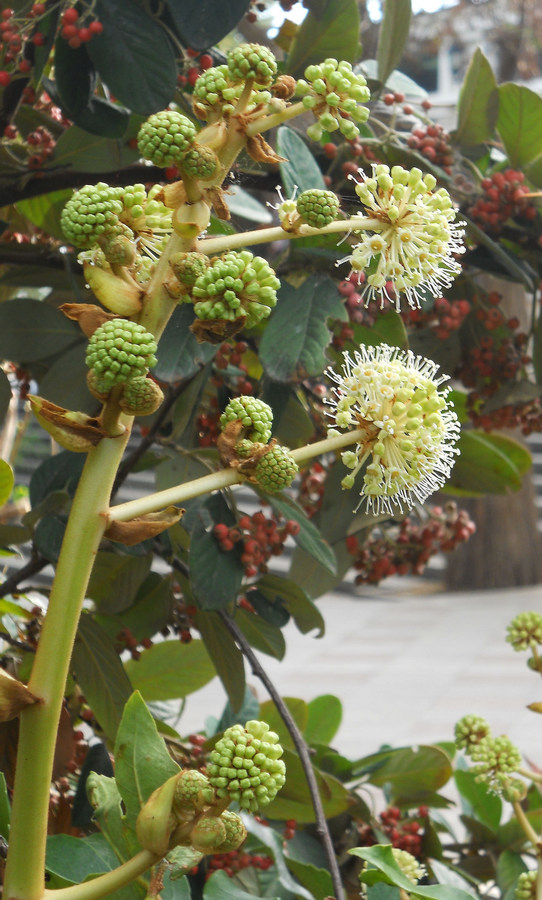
<point x="406" y="664"/>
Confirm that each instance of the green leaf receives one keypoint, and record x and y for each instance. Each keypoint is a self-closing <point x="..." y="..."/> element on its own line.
<point x="203" y="23"/>
<point x="478" y="105"/>
<point x="225" y="654"/>
<point x="100" y="674"/>
<point x="325" y="714"/>
<point x="6" y="481"/>
<point x="32" y="330"/>
<point x="292" y="425"/>
<point x="393" y="36"/>
<point x="142" y="762"/>
<point x="91" y="153"/>
<point x="44" y="212"/>
<point x="149" y="612"/>
<point x="518" y="123"/>
<point x="407" y="773"/>
<point x="5" y="808"/>
<point x="134" y="56"/>
<point x="477" y="800"/>
<point x="294" y="802"/>
<point x="269" y="838"/>
<point x="180" y="356"/>
<point x="49" y="535"/>
<point x="116" y="579"/>
<point x="5" y="395"/>
<point x="261" y="634"/>
<point x="488" y="464"/>
<point x="305" y="614"/>
<point x="334" y="34"/>
<point x="533" y="171"/>
<point x="294" y="343"/>
<point x="308" y="536"/>
<point x="317" y="881"/>
<point x="301" y="170"/>
<point x="75" y="859"/>
<point x="75" y="78"/>
<point x="65" y="382"/>
<point x="215" y="576"/>
<point x="57" y="473"/>
<point x="170" y="670"/>
<point x="381" y="857"/>
<point x="388" y="328"/>
<point x="220" y="887"/>
<point x="244" y="205"/>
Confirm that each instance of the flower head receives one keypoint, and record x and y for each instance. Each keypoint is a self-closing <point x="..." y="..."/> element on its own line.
<point x="411" y="235"/>
<point x="410" y="430"/>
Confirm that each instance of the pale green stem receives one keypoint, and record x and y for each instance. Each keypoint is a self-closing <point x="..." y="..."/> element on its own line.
<point x="267" y="122"/>
<point x="533" y="776"/>
<point x="276" y="233"/>
<point x="39" y="723"/>
<point x="108" y="882"/>
<point x="226" y="477"/>
<point x="526" y="826"/>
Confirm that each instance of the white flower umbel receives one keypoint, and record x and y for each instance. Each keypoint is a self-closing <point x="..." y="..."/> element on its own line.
<point x="411" y="430"/>
<point x="410" y="238"/>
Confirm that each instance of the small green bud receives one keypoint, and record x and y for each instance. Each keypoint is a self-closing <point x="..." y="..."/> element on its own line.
<point x="252" y="61"/>
<point x="318" y="208"/>
<point x="192" y="791"/>
<point x="495" y="759"/>
<point x="188" y="267"/>
<point x="208" y="834"/>
<point x="409" y="865"/>
<point x="93" y="211"/>
<point x="236" y="285"/>
<point x="236" y="832"/>
<point x="469" y="731"/>
<point x="141" y="397"/>
<point x="245" y="765"/>
<point x="525" y="630"/>
<point x="165" y="137"/>
<point x="120" y="350"/>
<point x="276" y="470"/>
<point x="255" y="415"/>
<point x="200" y="162"/>
<point x="526" y="886"/>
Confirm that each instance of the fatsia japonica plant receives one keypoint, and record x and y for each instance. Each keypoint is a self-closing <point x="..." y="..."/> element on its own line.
<point x="241" y="368"/>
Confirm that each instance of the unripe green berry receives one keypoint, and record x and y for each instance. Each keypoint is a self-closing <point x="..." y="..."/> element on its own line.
<point x="141" y="397"/>
<point x="188" y="267"/>
<point x="318" y="208"/>
<point x="525" y="630"/>
<point x="526" y="886"/>
<point x="276" y="470"/>
<point x="208" y="834"/>
<point x="469" y="731"/>
<point x="252" y="61"/>
<point x="245" y="765"/>
<point x="255" y="415"/>
<point x="200" y="162"/>
<point x="165" y="137"/>
<point x="93" y="211"/>
<point x="120" y="350"/>
<point x="236" y="832"/>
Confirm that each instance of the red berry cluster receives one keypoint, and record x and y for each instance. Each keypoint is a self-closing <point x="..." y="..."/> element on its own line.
<point x="433" y="142"/>
<point x="125" y="640"/>
<point x="403" y="832"/>
<point x="504" y="197"/>
<point x="192" y="66"/>
<point x="42" y="144"/>
<point x="445" y="317"/>
<point x="233" y="862"/>
<point x="197" y="741"/>
<point x="181" y="622"/>
<point x="208" y="424"/>
<point x="311" y="488"/>
<point x="76" y="29"/>
<point x="405" y="548"/>
<point x="258" y="538"/>
<point x="290" y="828"/>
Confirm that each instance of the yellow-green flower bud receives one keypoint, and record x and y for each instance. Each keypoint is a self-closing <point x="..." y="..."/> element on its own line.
<point x="245" y="765"/>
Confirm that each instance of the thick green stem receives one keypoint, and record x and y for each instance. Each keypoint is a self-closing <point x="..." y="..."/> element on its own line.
<point x="526" y="826"/>
<point x="225" y="478"/>
<point x="39" y="723"/>
<point x="273" y="119"/>
<point x="108" y="882"/>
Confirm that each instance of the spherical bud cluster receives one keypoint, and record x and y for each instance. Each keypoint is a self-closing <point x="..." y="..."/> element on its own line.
<point x="526" y="886"/>
<point x="469" y="731"/>
<point x="245" y="765"/>
<point x="433" y="142"/>
<point x="187" y="267"/>
<point x="409" y="865"/>
<point x="200" y="162"/>
<point x="165" y="137"/>
<point x="504" y="197"/>
<point x="495" y="759"/>
<point x="93" y="211"/>
<point x="255" y="416"/>
<point x="335" y="94"/>
<point x="405" y="548"/>
<point x="141" y="397"/>
<point x="317" y="208"/>
<point x="216" y="92"/>
<point x="525" y="631"/>
<point x="236" y="285"/>
<point x="258" y="538"/>
<point x="402" y="831"/>
<point x="410" y="430"/>
<point x="252" y="62"/>
<point x="276" y="470"/>
<point x="119" y="351"/>
<point x="414" y="236"/>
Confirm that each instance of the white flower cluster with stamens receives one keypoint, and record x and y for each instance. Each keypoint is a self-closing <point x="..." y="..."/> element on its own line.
<point x="410" y="429"/>
<point x="408" y="236"/>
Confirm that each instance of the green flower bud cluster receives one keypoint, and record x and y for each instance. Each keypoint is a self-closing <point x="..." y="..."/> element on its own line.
<point x="526" y="886"/>
<point x="525" y="631"/>
<point x="93" y="211"/>
<point x="141" y="397"/>
<point x="409" y="865"/>
<point x="165" y="137"/>
<point x="119" y="351"/>
<point x="335" y="94"/>
<point x="255" y="415"/>
<point x="469" y="731"/>
<point x="318" y="208"/>
<point x="236" y="285"/>
<point x="495" y="758"/>
<point x="245" y="765"/>
<point x="200" y="162"/>
<point x="276" y="469"/>
<point x="252" y="61"/>
<point x="187" y="267"/>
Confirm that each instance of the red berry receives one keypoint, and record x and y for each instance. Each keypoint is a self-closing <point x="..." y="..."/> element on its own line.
<point x="389" y="99"/>
<point x="95" y="27"/>
<point x="70" y="16"/>
<point x="84" y="35"/>
<point x="24" y="66"/>
<point x="206" y="61"/>
<point x="7" y="13"/>
<point x="330" y="150"/>
<point x="38" y="39"/>
<point x="5" y="78"/>
<point x="38" y="9"/>
<point x="193" y="74"/>
<point x="69" y="31"/>
<point x="74" y="43"/>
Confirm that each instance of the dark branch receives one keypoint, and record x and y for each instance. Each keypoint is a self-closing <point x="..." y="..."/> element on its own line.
<point x="34" y="565"/>
<point x="300" y="745"/>
<point x="19" y="645"/>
